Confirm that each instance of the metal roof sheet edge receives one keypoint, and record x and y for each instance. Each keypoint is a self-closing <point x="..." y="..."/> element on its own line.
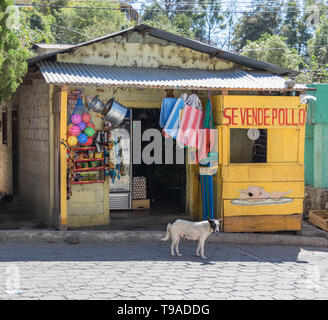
<point x="86" y="74"/>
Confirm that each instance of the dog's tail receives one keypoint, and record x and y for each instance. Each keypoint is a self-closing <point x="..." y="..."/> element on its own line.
<point x="167" y="236"/>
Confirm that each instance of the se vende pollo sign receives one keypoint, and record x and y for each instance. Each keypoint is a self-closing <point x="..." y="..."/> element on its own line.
<point x="264" y="116"/>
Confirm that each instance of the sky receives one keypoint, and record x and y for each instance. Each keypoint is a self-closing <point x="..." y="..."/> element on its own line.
<point x="241" y="5"/>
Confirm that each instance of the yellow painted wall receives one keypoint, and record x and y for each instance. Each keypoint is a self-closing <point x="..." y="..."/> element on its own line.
<point x="89" y="205"/>
<point x="284" y="170"/>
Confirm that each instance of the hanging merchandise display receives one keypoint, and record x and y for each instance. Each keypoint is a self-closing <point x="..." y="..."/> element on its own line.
<point x="172" y="124"/>
<point x="89" y="131"/>
<point x="207" y="138"/>
<point x="78" y="126"/>
<point x="206" y="184"/>
<point x="70" y="171"/>
<point x="86" y="117"/>
<point x="91" y="125"/>
<point x="72" y="96"/>
<point x="191" y="122"/>
<point x="72" y="141"/>
<point x="95" y="104"/>
<point x="115" y="167"/>
<point x="82" y="138"/>
<point x="114" y="112"/>
<point x="76" y="118"/>
<point x="82" y="125"/>
<point x="206" y="165"/>
<point x="89" y="141"/>
<point x="166" y="109"/>
<point x="73" y="130"/>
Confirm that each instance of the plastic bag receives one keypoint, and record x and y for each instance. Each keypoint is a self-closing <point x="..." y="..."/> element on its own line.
<point x="193" y="101"/>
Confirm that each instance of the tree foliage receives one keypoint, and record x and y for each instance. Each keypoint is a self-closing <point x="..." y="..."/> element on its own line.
<point x="265" y="18"/>
<point x="158" y="16"/>
<point x="78" y="25"/>
<point x="13" y="56"/>
<point x="318" y="45"/>
<point x="273" y="49"/>
<point x="294" y="27"/>
<point x="61" y="22"/>
<point x="197" y="19"/>
<point x="209" y="21"/>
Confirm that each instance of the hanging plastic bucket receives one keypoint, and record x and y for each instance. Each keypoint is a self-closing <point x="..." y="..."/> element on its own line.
<point x="114" y="112"/>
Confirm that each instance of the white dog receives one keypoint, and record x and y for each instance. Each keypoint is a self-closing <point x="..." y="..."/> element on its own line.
<point x="191" y="231"/>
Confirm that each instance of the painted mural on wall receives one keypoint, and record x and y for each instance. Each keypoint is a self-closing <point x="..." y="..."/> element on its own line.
<point x="255" y="195"/>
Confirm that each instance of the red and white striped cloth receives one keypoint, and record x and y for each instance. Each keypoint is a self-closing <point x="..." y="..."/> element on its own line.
<point x="191" y="122"/>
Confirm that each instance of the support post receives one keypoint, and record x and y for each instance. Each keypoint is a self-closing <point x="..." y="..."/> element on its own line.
<point x="63" y="159"/>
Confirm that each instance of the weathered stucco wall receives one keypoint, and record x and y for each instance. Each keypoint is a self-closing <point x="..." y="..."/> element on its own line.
<point x="34" y="172"/>
<point x="6" y="166"/>
<point x="136" y="50"/>
<point x="89" y="205"/>
<point x="134" y="97"/>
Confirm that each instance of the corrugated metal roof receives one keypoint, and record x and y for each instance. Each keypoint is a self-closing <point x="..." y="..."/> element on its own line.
<point x="52" y="46"/>
<point x="182" y="41"/>
<point x="86" y="74"/>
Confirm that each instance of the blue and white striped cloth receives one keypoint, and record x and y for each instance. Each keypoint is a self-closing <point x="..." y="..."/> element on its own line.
<point x="166" y="109"/>
<point x="172" y="124"/>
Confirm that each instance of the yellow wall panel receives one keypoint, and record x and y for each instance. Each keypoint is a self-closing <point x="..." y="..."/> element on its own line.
<point x="262" y="172"/>
<point x="217" y="108"/>
<point x="283" y="145"/>
<point x="230" y="190"/>
<point x="231" y="210"/>
<point x="291" y="222"/>
<point x="301" y="145"/>
<point x="241" y="101"/>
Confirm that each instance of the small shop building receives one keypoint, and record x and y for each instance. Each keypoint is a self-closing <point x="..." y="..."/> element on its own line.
<point x="258" y="184"/>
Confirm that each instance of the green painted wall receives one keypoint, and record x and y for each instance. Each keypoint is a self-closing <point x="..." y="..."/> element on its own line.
<point x="316" y="139"/>
<point x="321" y="155"/>
<point x="318" y="110"/>
<point x="308" y="155"/>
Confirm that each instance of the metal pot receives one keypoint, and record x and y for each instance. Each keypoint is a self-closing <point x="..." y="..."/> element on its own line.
<point x="114" y="112"/>
<point x="96" y="105"/>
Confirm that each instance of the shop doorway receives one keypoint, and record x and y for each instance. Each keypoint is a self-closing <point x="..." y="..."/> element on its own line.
<point x="166" y="183"/>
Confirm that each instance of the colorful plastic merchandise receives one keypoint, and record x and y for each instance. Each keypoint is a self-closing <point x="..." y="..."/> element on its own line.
<point x="80" y="124"/>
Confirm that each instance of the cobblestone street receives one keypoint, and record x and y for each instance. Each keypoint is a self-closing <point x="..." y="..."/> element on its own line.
<point x="146" y="271"/>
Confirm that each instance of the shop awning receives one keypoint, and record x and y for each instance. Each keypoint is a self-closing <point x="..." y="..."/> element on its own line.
<point x="98" y="75"/>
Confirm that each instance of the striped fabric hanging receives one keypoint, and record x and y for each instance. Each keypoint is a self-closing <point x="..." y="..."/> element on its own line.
<point x="172" y="124"/>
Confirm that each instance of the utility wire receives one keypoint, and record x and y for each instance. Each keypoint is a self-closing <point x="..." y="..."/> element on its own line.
<point x="272" y="4"/>
<point x="61" y="27"/>
<point x="155" y="9"/>
<point x="283" y="48"/>
<point x="165" y="2"/>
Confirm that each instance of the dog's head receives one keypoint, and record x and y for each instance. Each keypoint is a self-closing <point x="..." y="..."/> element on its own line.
<point x="214" y="224"/>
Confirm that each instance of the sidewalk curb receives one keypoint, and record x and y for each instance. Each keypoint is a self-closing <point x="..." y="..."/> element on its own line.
<point x="140" y="236"/>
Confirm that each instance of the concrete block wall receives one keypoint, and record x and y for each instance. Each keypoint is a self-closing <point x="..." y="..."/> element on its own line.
<point x="34" y="172"/>
<point x="315" y="199"/>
